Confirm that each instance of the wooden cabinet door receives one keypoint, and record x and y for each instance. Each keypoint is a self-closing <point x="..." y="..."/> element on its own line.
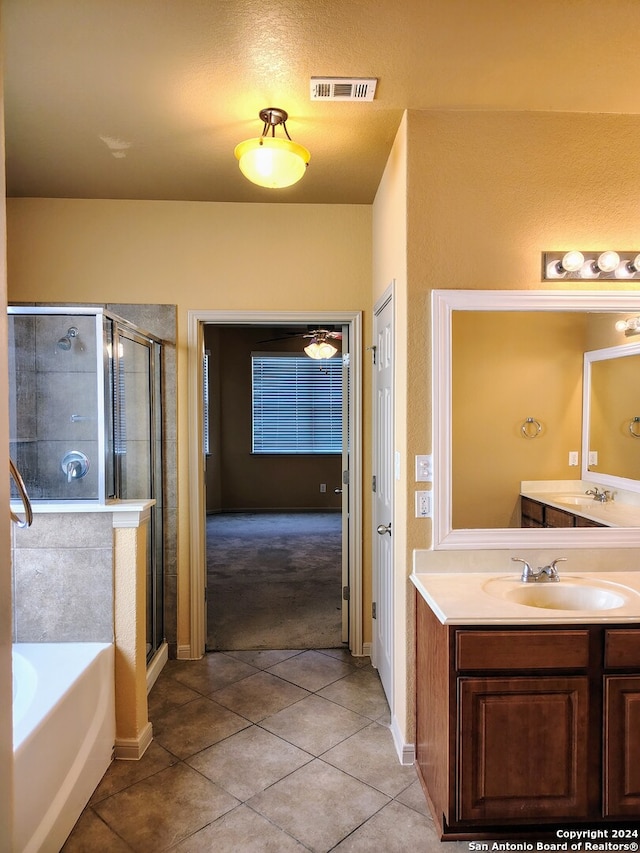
<point x="622" y="746"/>
<point x="522" y="748"/>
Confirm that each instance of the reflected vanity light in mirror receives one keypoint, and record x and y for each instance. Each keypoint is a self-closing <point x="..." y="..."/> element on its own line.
<point x="630" y="326"/>
<point x="585" y="265"/>
<point x="450" y="305"/>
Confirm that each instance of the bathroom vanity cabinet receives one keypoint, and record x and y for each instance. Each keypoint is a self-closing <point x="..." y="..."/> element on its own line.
<point x="522" y="727"/>
<point x="538" y="514"/>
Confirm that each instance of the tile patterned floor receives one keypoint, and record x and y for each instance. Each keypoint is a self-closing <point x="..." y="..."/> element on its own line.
<point x="263" y="752"/>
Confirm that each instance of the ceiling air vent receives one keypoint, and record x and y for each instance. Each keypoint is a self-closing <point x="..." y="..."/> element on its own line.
<point x="343" y="88"/>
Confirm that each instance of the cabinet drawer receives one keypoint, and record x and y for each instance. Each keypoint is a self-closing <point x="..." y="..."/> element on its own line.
<point x="532" y="509"/>
<point x="504" y="650"/>
<point x="622" y="647"/>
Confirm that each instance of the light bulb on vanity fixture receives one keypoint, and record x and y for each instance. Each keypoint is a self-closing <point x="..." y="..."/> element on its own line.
<point x="569" y="262"/>
<point x="574" y="265"/>
<point x="269" y="161"/>
<point x="630" y="326"/>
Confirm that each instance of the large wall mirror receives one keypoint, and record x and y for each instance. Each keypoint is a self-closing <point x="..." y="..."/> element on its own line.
<point x="516" y="375"/>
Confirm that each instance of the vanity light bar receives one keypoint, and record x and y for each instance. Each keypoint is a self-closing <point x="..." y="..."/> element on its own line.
<point x="585" y="266"/>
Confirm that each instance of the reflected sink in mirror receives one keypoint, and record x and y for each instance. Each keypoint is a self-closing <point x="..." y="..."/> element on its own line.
<point x="566" y="594"/>
<point x="574" y="500"/>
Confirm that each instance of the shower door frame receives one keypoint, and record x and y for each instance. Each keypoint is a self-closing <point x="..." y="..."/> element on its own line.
<point x="195" y="348"/>
<point x="123" y="328"/>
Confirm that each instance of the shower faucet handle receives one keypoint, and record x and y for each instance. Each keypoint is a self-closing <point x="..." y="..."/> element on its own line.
<point x="75" y="465"/>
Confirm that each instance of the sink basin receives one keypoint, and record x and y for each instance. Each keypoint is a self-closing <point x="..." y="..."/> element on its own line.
<point x="574" y="500"/>
<point x="566" y="594"/>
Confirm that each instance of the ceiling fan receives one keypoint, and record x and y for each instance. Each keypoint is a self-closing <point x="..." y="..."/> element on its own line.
<point x="319" y="346"/>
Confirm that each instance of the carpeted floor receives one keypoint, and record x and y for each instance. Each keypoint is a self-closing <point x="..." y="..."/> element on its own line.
<point x="274" y="581"/>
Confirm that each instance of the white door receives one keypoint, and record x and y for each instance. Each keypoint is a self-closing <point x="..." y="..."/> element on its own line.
<point x="383" y="493"/>
<point x="343" y="487"/>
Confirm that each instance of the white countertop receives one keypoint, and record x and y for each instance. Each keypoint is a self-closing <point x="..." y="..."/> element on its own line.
<point x="460" y="598"/>
<point x="71" y="506"/>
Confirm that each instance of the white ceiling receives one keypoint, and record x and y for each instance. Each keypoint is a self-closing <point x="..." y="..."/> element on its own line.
<point x="171" y="86"/>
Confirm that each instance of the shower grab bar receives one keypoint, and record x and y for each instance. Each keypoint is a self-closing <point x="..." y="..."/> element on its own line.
<point x="27" y="521"/>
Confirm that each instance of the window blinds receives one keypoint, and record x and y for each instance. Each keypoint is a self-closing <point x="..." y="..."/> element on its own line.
<point x="297" y="404"/>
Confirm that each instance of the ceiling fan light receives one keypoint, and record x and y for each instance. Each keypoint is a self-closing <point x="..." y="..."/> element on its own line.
<point x="320" y="349"/>
<point x="272" y="162"/>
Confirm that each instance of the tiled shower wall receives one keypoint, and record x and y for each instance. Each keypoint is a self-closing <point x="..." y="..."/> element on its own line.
<point x="55" y="404"/>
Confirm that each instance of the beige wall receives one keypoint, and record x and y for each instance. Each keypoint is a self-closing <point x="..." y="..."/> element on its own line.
<point x="200" y="256"/>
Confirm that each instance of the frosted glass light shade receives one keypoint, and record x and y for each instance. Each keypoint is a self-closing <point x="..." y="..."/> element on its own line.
<point x="320" y="349"/>
<point x="272" y="162"/>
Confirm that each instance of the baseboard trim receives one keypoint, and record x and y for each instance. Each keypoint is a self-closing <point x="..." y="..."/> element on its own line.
<point x="367" y="648"/>
<point x="406" y="751"/>
<point x="156" y="665"/>
<point x="183" y="652"/>
<point x="132" y="749"/>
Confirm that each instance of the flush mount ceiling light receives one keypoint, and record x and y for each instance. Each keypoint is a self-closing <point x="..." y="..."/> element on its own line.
<point x="271" y="161"/>
<point x="590" y="265"/>
<point x="319" y="347"/>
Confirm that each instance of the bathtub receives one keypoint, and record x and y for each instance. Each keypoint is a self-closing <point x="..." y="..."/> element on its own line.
<point x="63" y="736"/>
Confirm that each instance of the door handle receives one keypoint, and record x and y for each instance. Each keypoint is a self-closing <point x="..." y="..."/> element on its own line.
<point x="337" y="491"/>
<point x="384" y="528"/>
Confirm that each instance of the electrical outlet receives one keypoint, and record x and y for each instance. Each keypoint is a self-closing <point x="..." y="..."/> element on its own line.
<point x="593" y="457"/>
<point x="423" y="504"/>
<point x="323" y="487"/>
<point x="573" y="458"/>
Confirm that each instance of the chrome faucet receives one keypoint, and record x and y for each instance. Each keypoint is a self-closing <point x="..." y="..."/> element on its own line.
<point x="602" y="497"/>
<point x="540" y="575"/>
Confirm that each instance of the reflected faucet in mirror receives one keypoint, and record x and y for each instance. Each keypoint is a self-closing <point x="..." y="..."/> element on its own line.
<point x="602" y="497"/>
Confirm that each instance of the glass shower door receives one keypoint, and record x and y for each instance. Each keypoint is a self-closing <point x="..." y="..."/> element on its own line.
<point x="137" y="445"/>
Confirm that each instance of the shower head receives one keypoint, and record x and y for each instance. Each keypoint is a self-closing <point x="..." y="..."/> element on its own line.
<point x="65" y="342"/>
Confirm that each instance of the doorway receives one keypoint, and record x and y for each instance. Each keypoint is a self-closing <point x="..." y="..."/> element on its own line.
<point x="274" y="447"/>
<point x="349" y="512"/>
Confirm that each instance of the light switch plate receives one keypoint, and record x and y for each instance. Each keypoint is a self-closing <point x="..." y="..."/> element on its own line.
<point x="424" y="468"/>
